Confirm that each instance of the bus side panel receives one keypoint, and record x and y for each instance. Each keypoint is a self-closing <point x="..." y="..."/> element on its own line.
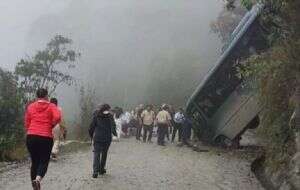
<point x="241" y="118"/>
<point x="227" y="110"/>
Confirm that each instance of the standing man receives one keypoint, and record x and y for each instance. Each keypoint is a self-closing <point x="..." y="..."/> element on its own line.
<point x="163" y="119"/>
<point x="187" y="131"/>
<point x="170" y="128"/>
<point x="178" y="122"/>
<point x="148" y="118"/>
<point x="139" y="111"/>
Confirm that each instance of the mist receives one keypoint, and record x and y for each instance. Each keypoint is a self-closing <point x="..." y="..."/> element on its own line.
<point x="133" y="51"/>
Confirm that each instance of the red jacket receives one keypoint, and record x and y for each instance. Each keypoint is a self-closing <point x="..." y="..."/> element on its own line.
<point x="40" y="118"/>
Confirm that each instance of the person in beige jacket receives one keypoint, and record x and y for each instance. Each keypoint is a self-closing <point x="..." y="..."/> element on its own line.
<point x="163" y="120"/>
<point x="58" y="133"/>
<point x="148" y="117"/>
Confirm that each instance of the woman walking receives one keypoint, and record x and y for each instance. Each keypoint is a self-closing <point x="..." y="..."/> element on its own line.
<point x="101" y="130"/>
<point x="40" y="118"/>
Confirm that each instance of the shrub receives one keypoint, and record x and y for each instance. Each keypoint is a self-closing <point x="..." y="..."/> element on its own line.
<point x="11" y="130"/>
<point x="274" y="74"/>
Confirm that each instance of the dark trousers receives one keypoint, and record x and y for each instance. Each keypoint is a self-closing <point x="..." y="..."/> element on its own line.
<point x="177" y="127"/>
<point x="100" y="150"/>
<point x="186" y="134"/>
<point x="39" y="149"/>
<point x="147" y="129"/>
<point x="168" y="131"/>
<point x="138" y="132"/>
<point x="162" y="131"/>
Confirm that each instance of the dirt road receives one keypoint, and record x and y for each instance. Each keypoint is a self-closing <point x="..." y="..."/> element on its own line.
<point x="135" y="166"/>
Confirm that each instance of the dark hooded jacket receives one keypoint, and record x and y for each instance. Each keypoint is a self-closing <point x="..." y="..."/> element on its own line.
<point x="102" y="127"/>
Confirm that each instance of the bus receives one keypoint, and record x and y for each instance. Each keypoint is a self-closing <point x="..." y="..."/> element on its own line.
<point x="220" y="107"/>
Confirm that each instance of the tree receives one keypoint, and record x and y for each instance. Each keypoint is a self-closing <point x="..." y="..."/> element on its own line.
<point x="87" y="107"/>
<point x="275" y="75"/>
<point x="11" y="130"/>
<point x="47" y="68"/>
<point x="227" y="20"/>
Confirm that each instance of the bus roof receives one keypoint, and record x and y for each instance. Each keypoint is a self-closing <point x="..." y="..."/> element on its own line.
<point x="236" y="36"/>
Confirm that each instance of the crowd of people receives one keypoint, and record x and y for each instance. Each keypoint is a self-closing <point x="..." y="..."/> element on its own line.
<point x="140" y="123"/>
<point x="45" y="129"/>
<point x="144" y="121"/>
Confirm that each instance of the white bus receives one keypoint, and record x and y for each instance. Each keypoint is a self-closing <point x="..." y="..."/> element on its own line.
<point x="220" y="107"/>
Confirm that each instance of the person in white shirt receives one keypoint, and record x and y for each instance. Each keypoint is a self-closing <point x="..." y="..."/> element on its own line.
<point x="118" y="118"/>
<point x="178" y="120"/>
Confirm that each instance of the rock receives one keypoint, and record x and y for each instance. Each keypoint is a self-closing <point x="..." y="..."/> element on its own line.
<point x="294" y="174"/>
<point x="285" y="186"/>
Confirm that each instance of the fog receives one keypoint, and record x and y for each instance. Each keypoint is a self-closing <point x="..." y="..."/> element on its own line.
<point x="133" y="51"/>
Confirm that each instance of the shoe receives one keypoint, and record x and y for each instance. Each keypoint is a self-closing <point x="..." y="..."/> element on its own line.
<point x="36" y="185"/>
<point x="102" y="172"/>
<point x="95" y="175"/>
<point x="53" y="156"/>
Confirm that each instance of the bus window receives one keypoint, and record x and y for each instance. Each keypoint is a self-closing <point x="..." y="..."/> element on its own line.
<point x="198" y="118"/>
<point x="218" y="90"/>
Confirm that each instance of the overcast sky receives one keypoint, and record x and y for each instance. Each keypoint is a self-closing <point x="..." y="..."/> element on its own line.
<point x="118" y="39"/>
<point x="16" y="18"/>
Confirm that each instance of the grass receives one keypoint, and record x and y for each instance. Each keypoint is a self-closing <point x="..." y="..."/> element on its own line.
<point x="17" y="153"/>
<point x="74" y="146"/>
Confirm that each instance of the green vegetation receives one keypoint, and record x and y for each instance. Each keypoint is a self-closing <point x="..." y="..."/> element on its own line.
<point x="11" y="130"/>
<point x="274" y="74"/>
<point x="87" y="104"/>
<point x="227" y="20"/>
<point x="47" y="69"/>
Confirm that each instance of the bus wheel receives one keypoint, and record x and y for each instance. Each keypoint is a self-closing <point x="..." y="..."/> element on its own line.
<point x="223" y="141"/>
<point x="254" y="123"/>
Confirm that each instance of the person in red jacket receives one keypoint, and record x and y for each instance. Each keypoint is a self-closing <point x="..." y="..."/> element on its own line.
<point x="40" y="118"/>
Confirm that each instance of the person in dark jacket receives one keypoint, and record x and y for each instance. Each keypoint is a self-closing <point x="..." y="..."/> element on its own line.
<point x="101" y="130"/>
<point x="187" y="131"/>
